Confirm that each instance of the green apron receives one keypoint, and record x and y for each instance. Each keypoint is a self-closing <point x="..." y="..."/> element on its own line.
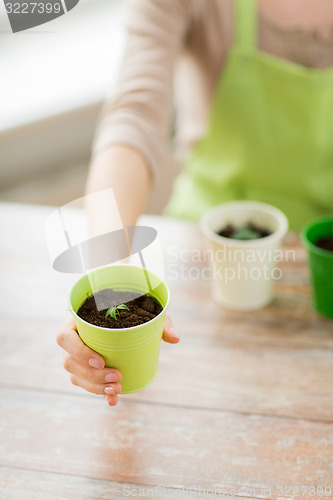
<point x="269" y="138"/>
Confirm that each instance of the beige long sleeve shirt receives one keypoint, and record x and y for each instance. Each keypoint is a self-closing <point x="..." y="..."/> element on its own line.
<point x="175" y="54"/>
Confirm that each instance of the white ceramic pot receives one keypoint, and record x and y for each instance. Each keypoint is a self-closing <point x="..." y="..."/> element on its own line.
<point x="244" y="271"/>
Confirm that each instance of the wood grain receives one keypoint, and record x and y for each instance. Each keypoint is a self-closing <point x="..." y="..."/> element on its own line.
<point x="150" y="444"/>
<point x="205" y="372"/>
<point x="26" y="275"/>
<point x="35" y="485"/>
<point x="245" y="400"/>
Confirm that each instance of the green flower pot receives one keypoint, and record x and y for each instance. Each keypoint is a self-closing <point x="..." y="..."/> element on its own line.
<point x="321" y="264"/>
<point x="133" y="351"/>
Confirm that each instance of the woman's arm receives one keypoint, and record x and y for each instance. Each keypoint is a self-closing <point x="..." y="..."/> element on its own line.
<point x="139" y="113"/>
<point x="130" y="147"/>
<point x="124" y="170"/>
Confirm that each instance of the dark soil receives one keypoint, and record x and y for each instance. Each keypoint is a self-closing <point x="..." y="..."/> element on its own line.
<point x="141" y="309"/>
<point x="325" y="243"/>
<point x="248" y="232"/>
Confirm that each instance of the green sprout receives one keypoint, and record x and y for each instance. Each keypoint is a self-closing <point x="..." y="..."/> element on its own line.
<point x="245" y="233"/>
<point x="113" y="311"/>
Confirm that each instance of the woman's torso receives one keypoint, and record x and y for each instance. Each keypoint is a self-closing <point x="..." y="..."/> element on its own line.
<point x="305" y="39"/>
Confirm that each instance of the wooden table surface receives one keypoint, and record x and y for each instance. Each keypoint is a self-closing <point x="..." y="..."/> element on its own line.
<point x="242" y="406"/>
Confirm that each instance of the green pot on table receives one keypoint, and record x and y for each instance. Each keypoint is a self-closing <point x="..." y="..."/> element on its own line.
<point x="321" y="264"/>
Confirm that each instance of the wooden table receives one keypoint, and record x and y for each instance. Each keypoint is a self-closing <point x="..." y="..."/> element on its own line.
<point x="242" y="407"/>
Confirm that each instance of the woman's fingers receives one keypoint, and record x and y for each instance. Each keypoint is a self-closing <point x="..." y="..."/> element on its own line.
<point x="87" y="367"/>
<point x="112" y="400"/>
<point x="169" y="333"/>
<point x="85" y="384"/>
<point x="95" y="377"/>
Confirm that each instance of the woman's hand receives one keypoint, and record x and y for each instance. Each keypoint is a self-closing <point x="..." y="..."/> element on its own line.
<point x="87" y="367"/>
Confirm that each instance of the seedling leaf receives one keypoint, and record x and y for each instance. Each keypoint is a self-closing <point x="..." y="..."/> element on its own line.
<point x="113" y="311"/>
<point x="246" y="234"/>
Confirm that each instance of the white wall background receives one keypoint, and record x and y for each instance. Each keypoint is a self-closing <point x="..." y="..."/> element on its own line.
<point x="67" y="63"/>
<point x="53" y="81"/>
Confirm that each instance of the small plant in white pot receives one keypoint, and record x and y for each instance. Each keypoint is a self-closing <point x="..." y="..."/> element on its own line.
<point x="244" y="237"/>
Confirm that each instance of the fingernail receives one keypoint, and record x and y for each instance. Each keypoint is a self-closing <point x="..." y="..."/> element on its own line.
<point x="111" y="377"/>
<point x="173" y="332"/>
<point x="96" y="363"/>
<point x="109" y="390"/>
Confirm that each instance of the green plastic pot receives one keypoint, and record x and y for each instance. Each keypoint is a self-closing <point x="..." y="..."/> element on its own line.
<point x="321" y="264"/>
<point x="133" y="351"/>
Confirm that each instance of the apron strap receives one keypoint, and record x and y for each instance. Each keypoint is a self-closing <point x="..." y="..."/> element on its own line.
<point x="246" y="21"/>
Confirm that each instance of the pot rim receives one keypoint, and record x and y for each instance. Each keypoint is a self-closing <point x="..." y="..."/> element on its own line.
<point x="244" y="204"/>
<point x="309" y="244"/>
<point x="118" y="330"/>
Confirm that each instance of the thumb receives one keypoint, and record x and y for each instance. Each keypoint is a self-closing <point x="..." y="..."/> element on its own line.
<point x="169" y="333"/>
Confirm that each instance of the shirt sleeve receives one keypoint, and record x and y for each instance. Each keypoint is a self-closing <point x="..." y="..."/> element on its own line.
<point x="139" y="114"/>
